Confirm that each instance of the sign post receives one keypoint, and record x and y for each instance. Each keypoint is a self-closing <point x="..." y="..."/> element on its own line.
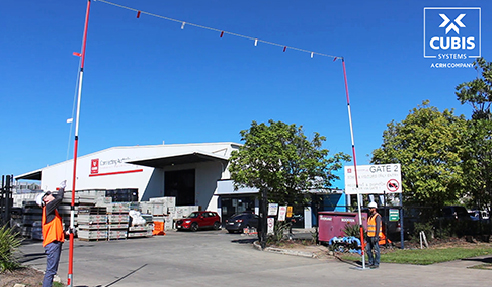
<point x="373" y="179"/>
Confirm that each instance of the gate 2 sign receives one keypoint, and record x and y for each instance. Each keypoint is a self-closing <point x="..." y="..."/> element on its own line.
<point x="378" y="178"/>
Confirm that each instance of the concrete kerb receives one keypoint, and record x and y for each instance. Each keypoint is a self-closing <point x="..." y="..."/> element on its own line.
<point x="257" y="245"/>
<point x="296" y="232"/>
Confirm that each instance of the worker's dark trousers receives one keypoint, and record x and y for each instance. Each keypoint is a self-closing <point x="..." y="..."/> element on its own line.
<point x="373" y="246"/>
<point x="53" y="252"/>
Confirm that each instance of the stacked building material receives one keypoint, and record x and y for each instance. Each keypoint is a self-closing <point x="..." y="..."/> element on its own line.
<point x="140" y="231"/>
<point x="123" y="194"/>
<point x="31" y="220"/>
<point x="118" y="220"/>
<point x="65" y="208"/>
<point x="162" y="210"/>
<point x="92" y="223"/>
<point x="20" y="197"/>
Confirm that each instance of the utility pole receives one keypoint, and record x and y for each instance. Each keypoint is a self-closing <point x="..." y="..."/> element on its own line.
<point x="263" y="221"/>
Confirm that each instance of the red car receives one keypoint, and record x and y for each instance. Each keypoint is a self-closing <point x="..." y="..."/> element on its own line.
<point x="199" y="220"/>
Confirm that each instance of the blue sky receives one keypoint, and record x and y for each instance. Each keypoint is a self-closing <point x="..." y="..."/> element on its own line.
<point x="146" y="80"/>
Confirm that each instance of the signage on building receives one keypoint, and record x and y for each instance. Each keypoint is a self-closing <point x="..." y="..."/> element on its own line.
<point x="94" y="166"/>
<point x="100" y="167"/>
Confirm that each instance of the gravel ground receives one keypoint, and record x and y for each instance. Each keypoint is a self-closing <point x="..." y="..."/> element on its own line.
<point x="27" y="276"/>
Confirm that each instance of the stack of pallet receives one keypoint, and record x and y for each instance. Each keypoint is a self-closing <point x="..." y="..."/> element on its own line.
<point x="92" y="223"/>
<point x="140" y="231"/>
<point x="31" y="220"/>
<point x="118" y="220"/>
<point x="161" y="209"/>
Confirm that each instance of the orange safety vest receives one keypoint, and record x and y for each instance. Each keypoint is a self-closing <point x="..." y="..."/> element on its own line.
<point x="371" y="226"/>
<point x="52" y="231"/>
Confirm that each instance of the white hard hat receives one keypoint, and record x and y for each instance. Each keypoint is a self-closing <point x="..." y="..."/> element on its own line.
<point x="372" y="204"/>
<point x="39" y="199"/>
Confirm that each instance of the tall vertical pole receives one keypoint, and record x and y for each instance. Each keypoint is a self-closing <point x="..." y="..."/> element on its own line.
<point x="361" y="229"/>
<point x="2" y="191"/>
<point x="76" y="144"/>
<point x="402" y="229"/>
<point x="263" y="224"/>
<point x="7" y="197"/>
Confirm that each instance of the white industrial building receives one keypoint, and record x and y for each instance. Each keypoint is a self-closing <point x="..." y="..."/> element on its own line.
<point x="196" y="174"/>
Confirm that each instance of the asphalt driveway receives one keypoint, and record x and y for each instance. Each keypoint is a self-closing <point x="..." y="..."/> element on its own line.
<point x="216" y="258"/>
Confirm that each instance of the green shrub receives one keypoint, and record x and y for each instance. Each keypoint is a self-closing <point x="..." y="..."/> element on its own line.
<point x="427" y="228"/>
<point x="352" y="230"/>
<point x="9" y="243"/>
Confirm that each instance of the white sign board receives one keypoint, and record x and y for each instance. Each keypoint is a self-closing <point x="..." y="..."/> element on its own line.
<point x="282" y="210"/>
<point x="270" y="225"/>
<point x="378" y="178"/>
<point x="272" y="209"/>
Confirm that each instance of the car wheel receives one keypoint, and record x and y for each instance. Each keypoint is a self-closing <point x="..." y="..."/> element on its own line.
<point x="231" y="231"/>
<point x="217" y="225"/>
<point x="194" y="226"/>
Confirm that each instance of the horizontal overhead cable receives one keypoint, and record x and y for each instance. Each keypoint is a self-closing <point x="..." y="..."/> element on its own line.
<point x="221" y="31"/>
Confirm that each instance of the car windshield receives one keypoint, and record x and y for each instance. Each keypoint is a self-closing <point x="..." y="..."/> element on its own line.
<point x="194" y="215"/>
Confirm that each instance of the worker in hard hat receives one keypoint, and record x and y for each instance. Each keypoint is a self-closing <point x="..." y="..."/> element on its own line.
<point x="53" y="234"/>
<point x="374" y="231"/>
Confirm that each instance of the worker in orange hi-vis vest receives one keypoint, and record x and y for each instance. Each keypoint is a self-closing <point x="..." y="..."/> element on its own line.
<point x="374" y="233"/>
<point x="53" y="233"/>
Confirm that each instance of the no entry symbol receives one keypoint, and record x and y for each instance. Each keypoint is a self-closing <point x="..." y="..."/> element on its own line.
<point x="393" y="185"/>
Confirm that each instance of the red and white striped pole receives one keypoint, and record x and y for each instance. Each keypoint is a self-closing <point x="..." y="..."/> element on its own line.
<point x="76" y="144"/>
<point x="361" y="229"/>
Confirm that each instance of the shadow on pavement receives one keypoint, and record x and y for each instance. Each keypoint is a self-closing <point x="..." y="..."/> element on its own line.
<point x="117" y="280"/>
<point x="245" y="241"/>
<point x="30" y="257"/>
<point x="483" y="260"/>
<point x="349" y="262"/>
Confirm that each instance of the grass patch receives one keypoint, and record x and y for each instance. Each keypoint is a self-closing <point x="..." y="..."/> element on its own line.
<point x="427" y="256"/>
<point x="486" y="266"/>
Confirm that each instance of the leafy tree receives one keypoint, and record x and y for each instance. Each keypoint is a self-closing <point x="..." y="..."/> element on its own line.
<point x="477" y="155"/>
<point x="477" y="163"/>
<point x="279" y="158"/>
<point x="427" y="144"/>
<point x="478" y="92"/>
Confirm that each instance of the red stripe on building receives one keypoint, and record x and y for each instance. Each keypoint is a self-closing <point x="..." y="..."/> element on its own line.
<point x="116" y="172"/>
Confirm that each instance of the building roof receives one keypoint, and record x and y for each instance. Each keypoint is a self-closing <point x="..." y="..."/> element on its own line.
<point x="33" y="175"/>
<point x="194" y="154"/>
<point x="177" y="159"/>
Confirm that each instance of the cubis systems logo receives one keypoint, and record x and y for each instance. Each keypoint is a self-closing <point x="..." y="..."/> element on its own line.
<point x="452" y="33"/>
